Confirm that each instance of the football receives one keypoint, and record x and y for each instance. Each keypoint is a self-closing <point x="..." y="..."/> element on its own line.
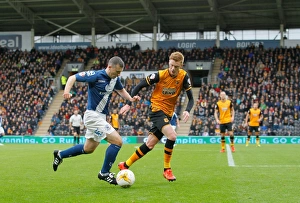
<point x="125" y="178"/>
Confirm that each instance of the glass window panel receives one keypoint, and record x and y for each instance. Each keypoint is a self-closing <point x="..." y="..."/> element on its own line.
<point x="102" y="38"/>
<point x="248" y="34"/>
<point x="123" y="37"/>
<point x="87" y="38"/>
<point x="177" y="35"/>
<point x="293" y="34"/>
<point x="262" y="34"/>
<point x="274" y="34"/>
<point x="149" y="38"/>
<point x="65" y="38"/>
<point x="133" y="37"/>
<point x="190" y="35"/>
<point x="77" y="38"/>
<point x="207" y="35"/>
<point x="162" y="37"/>
<point x="238" y="34"/>
<point x="37" y="39"/>
<point x="47" y="39"/>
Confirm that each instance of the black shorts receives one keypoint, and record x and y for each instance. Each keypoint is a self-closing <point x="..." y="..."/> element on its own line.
<point x="76" y="129"/>
<point x="253" y="128"/>
<point x="225" y="126"/>
<point x="159" y="120"/>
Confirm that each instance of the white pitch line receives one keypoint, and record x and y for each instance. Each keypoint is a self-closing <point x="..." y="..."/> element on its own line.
<point x="269" y="166"/>
<point x="229" y="156"/>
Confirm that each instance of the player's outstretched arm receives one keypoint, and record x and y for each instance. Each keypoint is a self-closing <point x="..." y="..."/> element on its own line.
<point x="186" y="113"/>
<point x="69" y="85"/>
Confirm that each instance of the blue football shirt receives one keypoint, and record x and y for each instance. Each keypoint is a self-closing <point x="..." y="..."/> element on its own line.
<point x="100" y="88"/>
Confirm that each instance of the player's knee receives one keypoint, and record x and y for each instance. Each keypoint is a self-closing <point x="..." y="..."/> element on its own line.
<point x="172" y="136"/>
<point x="117" y="141"/>
<point x="151" y="141"/>
<point x="88" y="150"/>
<point x="150" y="145"/>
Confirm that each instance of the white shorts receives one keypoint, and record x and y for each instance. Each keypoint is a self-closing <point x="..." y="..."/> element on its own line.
<point x="96" y="125"/>
<point x="174" y="127"/>
<point x="2" y="131"/>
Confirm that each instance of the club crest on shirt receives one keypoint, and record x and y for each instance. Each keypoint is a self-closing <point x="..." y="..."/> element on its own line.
<point x="107" y="127"/>
<point x="82" y="74"/>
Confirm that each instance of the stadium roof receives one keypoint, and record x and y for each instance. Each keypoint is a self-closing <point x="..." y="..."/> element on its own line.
<point x="139" y="16"/>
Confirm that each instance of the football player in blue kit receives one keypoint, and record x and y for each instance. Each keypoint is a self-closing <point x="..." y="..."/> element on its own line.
<point x="101" y="84"/>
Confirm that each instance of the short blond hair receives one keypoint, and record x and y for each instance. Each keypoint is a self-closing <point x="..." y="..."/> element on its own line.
<point x="177" y="57"/>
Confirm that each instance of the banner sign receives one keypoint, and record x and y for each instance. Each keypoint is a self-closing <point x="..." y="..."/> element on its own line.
<point x="75" y="66"/>
<point x="195" y="44"/>
<point x="238" y="140"/>
<point x="53" y="140"/>
<point x="186" y="44"/>
<point x="61" y="46"/>
<point x="245" y="43"/>
<point x="11" y="41"/>
<point x="143" y="139"/>
<point x="16" y="40"/>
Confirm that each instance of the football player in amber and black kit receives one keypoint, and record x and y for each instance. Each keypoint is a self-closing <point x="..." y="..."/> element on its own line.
<point x="169" y="84"/>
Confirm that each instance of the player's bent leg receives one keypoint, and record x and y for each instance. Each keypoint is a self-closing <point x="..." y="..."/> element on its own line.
<point x="152" y="140"/>
<point x="90" y="145"/>
<point x="168" y="174"/>
<point x="72" y="151"/>
<point x="111" y="153"/>
<point x="74" y="139"/>
<point x="257" y="139"/>
<point x="231" y="141"/>
<point x="248" y="139"/>
<point x="108" y="177"/>
<point x="168" y="151"/>
<point x="222" y="142"/>
<point x="57" y="160"/>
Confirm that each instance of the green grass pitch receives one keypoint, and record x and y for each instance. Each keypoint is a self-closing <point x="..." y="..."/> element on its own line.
<point x="270" y="173"/>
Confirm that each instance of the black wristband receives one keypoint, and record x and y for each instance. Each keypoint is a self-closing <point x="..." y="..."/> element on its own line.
<point x="188" y="110"/>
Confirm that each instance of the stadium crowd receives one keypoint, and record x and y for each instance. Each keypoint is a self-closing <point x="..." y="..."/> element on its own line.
<point x="26" y="88"/>
<point x="253" y="74"/>
<point x="269" y="77"/>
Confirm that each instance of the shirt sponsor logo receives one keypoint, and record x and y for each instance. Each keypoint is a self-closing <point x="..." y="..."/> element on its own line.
<point x="90" y="73"/>
<point x="168" y="91"/>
